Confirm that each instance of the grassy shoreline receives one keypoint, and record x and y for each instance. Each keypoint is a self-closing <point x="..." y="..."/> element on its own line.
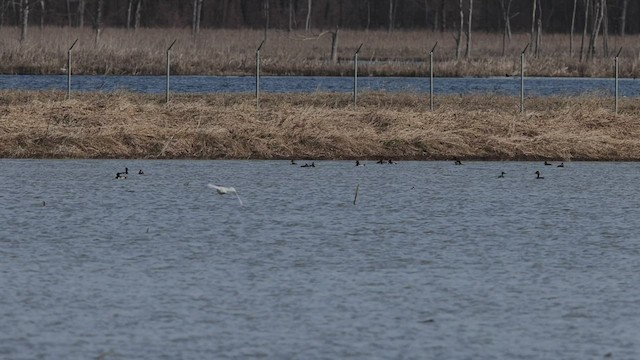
<point x="232" y="52"/>
<point x="316" y="126"/>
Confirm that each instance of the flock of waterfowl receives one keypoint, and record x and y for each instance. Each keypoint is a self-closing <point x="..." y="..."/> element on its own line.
<point x="230" y="190"/>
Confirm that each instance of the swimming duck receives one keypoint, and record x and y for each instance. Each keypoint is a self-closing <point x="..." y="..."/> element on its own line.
<point x="458" y="162"/>
<point x="121" y="175"/>
<point x="358" y="163"/>
<point x="501" y="174"/>
<point x="293" y="162"/>
<point x="140" y="172"/>
<point x="561" y="165"/>
<point x="538" y="175"/>
<point x="380" y="161"/>
<point x="391" y="162"/>
<point x="546" y="163"/>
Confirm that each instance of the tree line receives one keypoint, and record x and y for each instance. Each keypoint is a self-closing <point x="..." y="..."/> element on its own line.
<point x="457" y="16"/>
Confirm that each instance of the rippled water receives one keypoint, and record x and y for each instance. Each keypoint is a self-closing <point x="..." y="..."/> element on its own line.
<point x="296" y="84"/>
<point x="434" y="260"/>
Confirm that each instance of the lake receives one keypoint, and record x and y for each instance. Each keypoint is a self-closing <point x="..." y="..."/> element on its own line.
<point x="433" y="261"/>
<point x="305" y="84"/>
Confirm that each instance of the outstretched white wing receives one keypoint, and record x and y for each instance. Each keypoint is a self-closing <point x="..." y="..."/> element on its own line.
<point x="226" y="190"/>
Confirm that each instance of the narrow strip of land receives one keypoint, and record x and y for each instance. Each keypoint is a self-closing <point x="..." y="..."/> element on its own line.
<point x="316" y="126"/>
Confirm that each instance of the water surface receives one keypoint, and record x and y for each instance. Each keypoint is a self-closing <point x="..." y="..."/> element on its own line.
<point x="305" y="84"/>
<point x="434" y="260"/>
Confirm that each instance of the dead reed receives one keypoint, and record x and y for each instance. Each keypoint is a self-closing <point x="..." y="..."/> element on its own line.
<point x="232" y="52"/>
<point x="315" y="126"/>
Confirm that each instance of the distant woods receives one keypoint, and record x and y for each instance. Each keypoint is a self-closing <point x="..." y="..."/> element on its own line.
<point x="459" y="17"/>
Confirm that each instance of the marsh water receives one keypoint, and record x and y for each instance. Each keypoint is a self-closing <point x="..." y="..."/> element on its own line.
<point x="434" y="260"/>
<point x="305" y="84"/>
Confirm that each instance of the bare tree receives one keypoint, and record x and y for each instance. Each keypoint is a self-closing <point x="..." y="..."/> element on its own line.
<point x="308" y="22"/>
<point x="266" y="17"/>
<point x="81" y="13"/>
<point x="539" y="29"/>
<point x="598" y="13"/>
<point x="290" y="15"/>
<point x="605" y="28"/>
<point x="458" y="37"/>
<point x="467" y="52"/>
<point x="334" y="46"/>
<point x="505" y="6"/>
<point x="41" y="15"/>
<point x="69" y="12"/>
<point x="195" y="20"/>
<point x="623" y="16"/>
<point x="98" y="22"/>
<point x="136" y="23"/>
<point x="24" y="12"/>
<point x="573" y="24"/>
<point x="129" y="7"/>
<point x="390" y="28"/>
<point x="199" y="17"/>
<point x="533" y="21"/>
<point x="584" y="29"/>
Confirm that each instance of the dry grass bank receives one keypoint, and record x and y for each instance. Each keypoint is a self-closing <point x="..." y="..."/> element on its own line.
<point x="315" y="126"/>
<point x="232" y="52"/>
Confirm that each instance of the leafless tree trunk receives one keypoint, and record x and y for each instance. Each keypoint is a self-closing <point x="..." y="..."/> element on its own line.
<point x="136" y="23"/>
<point x="573" y="26"/>
<point x="505" y="6"/>
<point x="605" y="29"/>
<point x="98" y="24"/>
<point x="69" y="12"/>
<point x="81" y="12"/>
<point x="443" y="16"/>
<point x="199" y="17"/>
<point x="390" y="28"/>
<point x="533" y="22"/>
<point x="308" y="22"/>
<point x="129" y="7"/>
<point x="266" y="17"/>
<point x="290" y="15"/>
<point x="41" y="15"/>
<point x="467" y="52"/>
<point x="539" y="29"/>
<point x="584" y="30"/>
<point x="25" y="19"/>
<point x="597" y="22"/>
<point x="194" y="17"/>
<point x="334" y="46"/>
<point x="2" y="12"/>
<point x="458" y="37"/>
<point x="623" y="17"/>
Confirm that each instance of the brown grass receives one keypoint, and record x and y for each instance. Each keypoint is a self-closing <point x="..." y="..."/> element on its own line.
<point x="232" y="52"/>
<point x="315" y="126"/>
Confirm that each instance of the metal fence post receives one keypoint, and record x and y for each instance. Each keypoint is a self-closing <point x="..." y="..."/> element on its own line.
<point x="69" y="69"/>
<point x="258" y="74"/>
<point x="431" y="76"/>
<point x="617" y="69"/>
<point x="355" y="75"/>
<point x="522" y="78"/>
<point x="169" y="67"/>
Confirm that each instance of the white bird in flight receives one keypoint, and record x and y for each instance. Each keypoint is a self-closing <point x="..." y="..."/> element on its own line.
<point x="225" y="190"/>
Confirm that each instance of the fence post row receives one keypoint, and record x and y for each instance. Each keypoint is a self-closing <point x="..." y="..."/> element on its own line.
<point x="431" y="76"/>
<point x="168" y="67"/>
<point x="355" y="75"/>
<point x="522" y="78"/>
<point x="258" y="74"/>
<point x="616" y="70"/>
<point x="69" y="69"/>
